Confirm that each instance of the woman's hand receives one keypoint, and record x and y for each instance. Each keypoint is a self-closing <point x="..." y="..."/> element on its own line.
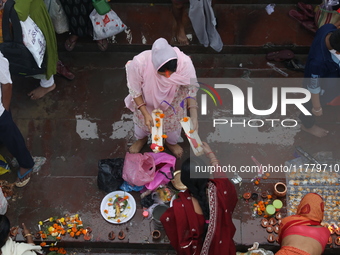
<point x="25" y="230"/>
<point x="206" y="148"/>
<point x="148" y="121"/>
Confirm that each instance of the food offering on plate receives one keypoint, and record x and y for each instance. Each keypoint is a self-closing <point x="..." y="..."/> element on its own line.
<point x="192" y="135"/>
<point x="165" y="194"/>
<point x="118" y="207"/>
<point x="157" y="131"/>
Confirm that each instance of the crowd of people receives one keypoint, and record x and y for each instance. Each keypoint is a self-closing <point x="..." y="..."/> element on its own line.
<point x="200" y="221"/>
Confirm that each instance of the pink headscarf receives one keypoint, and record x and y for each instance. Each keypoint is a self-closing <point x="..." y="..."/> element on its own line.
<point x="143" y="79"/>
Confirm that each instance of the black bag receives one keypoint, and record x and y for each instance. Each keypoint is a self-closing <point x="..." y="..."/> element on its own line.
<point x="110" y="174"/>
<point x="21" y="61"/>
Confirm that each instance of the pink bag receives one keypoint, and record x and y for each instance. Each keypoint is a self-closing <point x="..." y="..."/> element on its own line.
<point x="165" y="164"/>
<point x="139" y="169"/>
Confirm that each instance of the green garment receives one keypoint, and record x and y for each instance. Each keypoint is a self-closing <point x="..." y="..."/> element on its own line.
<point x="36" y="9"/>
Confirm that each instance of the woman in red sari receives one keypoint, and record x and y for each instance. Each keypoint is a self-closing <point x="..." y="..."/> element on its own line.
<point x="302" y="233"/>
<point x="200" y="221"/>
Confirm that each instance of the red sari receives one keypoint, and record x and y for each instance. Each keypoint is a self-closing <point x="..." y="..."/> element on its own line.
<point x="185" y="228"/>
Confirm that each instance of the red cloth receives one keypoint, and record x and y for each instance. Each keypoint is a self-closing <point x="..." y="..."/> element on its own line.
<point x="185" y="228"/>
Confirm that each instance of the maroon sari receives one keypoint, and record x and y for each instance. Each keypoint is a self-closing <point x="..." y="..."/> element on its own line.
<point x="185" y="228"/>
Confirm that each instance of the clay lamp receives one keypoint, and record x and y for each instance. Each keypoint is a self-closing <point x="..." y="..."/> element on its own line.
<point x="278" y="216"/>
<point x="37" y="235"/>
<point x="276" y="229"/>
<point x="89" y="230"/>
<point x="14" y="231"/>
<point x="88" y="236"/>
<point x="264" y="223"/>
<point x="272" y="221"/>
<point x="254" y="196"/>
<point x="277" y="239"/>
<point x="121" y="235"/>
<point x="279" y="222"/>
<point x="264" y="195"/>
<point x="270" y="229"/>
<point x="156" y="234"/>
<point x="337" y="231"/>
<point x="337" y="240"/>
<point x="247" y="195"/>
<point x="330" y="240"/>
<point x="112" y="235"/>
<point x="271" y="238"/>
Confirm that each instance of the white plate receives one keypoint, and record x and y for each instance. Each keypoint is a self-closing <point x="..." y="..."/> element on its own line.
<point x="127" y="214"/>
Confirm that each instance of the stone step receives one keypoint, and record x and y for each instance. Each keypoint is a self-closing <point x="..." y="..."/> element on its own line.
<point x="244" y="29"/>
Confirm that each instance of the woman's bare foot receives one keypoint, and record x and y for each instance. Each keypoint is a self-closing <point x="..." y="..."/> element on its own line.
<point x="138" y="145"/>
<point x="316" y="131"/>
<point x="176" y="149"/>
<point x="181" y="36"/>
<point x="40" y="92"/>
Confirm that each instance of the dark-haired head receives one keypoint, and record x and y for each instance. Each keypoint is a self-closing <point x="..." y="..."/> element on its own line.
<point x="4" y="229"/>
<point x="170" y="66"/>
<point x="334" y="40"/>
<point x="197" y="186"/>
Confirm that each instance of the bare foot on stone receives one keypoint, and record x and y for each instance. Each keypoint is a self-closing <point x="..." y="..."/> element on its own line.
<point x="316" y="131"/>
<point x="138" y="145"/>
<point x="176" y="149"/>
<point x="181" y="36"/>
<point x="40" y="92"/>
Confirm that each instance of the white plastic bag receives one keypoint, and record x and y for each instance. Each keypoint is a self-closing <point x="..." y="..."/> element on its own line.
<point x="3" y="203"/>
<point x="34" y="40"/>
<point x="57" y="15"/>
<point x="107" y="25"/>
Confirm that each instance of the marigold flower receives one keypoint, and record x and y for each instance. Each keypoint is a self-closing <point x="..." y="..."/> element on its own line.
<point x="109" y="204"/>
<point x="185" y="119"/>
<point x="78" y="233"/>
<point x="41" y="223"/>
<point x="162" y="115"/>
<point x="43" y="244"/>
<point x="74" y="229"/>
<point x="256" y="182"/>
<point x="157" y="119"/>
<point x="126" y="197"/>
<point x="106" y="211"/>
<point x="72" y="234"/>
<point x="191" y="131"/>
<point x="44" y="236"/>
<point x="266" y="203"/>
<point x="158" y="124"/>
<point x="164" y="136"/>
<point x="58" y="238"/>
<point x="118" y="220"/>
<point x="269" y="196"/>
<point x="161" y="148"/>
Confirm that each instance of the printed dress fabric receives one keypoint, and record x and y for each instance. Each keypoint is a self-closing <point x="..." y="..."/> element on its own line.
<point x="77" y="12"/>
<point x="185" y="231"/>
<point x="36" y="9"/>
<point x="143" y="80"/>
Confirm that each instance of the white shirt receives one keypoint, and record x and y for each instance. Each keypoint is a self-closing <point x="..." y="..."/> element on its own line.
<point x="5" y="77"/>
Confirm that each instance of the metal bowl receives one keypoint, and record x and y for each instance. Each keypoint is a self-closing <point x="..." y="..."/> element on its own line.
<point x="176" y="182"/>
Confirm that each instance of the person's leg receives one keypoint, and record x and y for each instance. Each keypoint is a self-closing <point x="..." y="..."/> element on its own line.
<point x="70" y="42"/>
<point x="308" y="123"/>
<point x="178" y="12"/>
<point x="142" y="138"/>
<point x="12" y="138"/>
<point x="45" y="87"/>
<point x="171" y="143"/>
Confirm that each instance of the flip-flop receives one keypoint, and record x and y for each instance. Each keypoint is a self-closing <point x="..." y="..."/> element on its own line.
<point x="295" y="65"/>
<point x="303" y="19"/>
<point x="70" y="44"/>
<point x="281" y="55"/>
<point x="23" y="183"/>
<point x="307" y="9"/>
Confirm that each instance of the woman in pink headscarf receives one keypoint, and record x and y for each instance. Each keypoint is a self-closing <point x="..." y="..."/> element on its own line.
<point x="161" y="78"/>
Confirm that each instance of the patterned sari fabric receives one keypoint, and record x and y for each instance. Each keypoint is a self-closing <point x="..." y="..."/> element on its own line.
<point x="185" y="231"/>
<point x="309" y="213"/>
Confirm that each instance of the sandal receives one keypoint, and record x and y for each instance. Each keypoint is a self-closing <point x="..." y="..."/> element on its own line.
<point x="280" y="55"/>
<point x="304" y="20"/>
<point x="295" y="65"/>
<point x="307" y="9"/>
<point x="70" y="44"/>
<point x="23" y="183"/>
<point x="103" y="44"/>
